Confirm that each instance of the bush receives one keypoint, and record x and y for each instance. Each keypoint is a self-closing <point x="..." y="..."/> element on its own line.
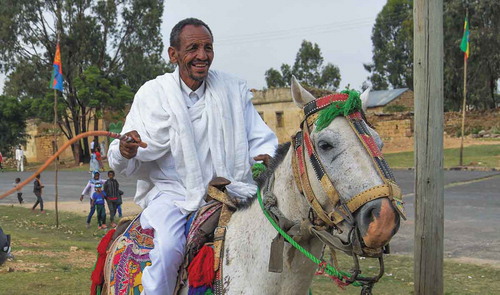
<point x="395" y="109"/>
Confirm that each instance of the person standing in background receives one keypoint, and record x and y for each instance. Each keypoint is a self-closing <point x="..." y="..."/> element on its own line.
<point x="20" y="158"/>
<point x="1" y="160"/>
<point x="37" y="189"/>
<point x="113" y="196"/>
<point x="89" y="190"/>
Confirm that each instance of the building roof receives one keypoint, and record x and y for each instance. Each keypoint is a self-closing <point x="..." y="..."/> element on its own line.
<point x="380" y="98"/>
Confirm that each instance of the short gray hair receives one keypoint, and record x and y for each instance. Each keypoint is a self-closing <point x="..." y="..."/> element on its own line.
<point x="177" y="29"/>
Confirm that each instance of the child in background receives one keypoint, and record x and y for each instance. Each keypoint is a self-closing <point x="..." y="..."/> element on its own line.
<point x="98" y="202"/>
<point x="113" y="196"/>
<point x="93" y="164"/>
<point x="88" y="190"/>
<point x="19" y="191"/>
<point x="98" y="157"/>
<point x="1" y="160"/>
<point x="37" y="189"/>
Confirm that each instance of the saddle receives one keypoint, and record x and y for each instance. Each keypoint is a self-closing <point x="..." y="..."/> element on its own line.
<point x="129" y="247"/>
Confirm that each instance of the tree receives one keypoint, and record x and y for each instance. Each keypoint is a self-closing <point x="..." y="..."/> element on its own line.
<point x="392" y="38"/>
<point x="111" y="44"/>
<point x="308" y="69"/>
<point x="12" y="124"/>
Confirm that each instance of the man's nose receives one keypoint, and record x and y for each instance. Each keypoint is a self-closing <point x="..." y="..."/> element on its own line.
<point x="201" y="54"/>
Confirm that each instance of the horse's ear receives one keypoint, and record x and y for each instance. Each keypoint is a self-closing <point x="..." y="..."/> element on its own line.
<point x="364" y="98"/>
<point x="299" y="94"/>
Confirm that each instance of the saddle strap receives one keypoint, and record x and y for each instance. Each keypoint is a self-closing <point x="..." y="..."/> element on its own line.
<point x="219" y="237"/>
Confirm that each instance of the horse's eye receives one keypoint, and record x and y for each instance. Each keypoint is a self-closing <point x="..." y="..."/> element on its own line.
<point x="325" y="146"/>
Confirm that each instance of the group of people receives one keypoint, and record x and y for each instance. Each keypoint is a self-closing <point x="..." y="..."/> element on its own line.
<point x="37" y="190"/>
<point x="100" y="192"/>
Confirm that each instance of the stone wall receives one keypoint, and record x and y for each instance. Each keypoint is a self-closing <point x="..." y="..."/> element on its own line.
<point x="39" y="146"/>
<point x="275" y="103"/>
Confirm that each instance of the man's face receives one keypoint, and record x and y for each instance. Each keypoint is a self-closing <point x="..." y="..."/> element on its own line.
<point x="96" y="176"/>
<point x="111" y="175"/>
<point x="194" y="55"/>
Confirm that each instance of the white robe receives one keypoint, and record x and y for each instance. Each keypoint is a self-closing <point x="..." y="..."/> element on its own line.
<point x="217" y="136"/>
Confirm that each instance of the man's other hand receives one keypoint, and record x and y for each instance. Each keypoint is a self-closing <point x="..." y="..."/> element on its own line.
<point x="129" y="149"/>
<point x="265" y="158"/>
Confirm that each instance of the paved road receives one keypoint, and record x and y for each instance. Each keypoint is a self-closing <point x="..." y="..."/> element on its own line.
<point x="471" y="210"/>
<point x="70" y="185"/>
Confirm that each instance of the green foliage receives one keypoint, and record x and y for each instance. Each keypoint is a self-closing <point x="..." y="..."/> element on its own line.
<point x="486" y="155"/>
<point x="392" y="38"/>
<point x="108" y="50"/>
<point x="308" y="69"/>
<point x="395" y="108"/>
<point x="12" y="124"/>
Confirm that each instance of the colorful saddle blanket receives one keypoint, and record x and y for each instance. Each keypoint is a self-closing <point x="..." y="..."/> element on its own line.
<point x="129" y="253"/>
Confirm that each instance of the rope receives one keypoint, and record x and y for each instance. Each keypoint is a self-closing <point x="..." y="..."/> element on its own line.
<point x="324" y="267"/>
<point x="65" y="146"/>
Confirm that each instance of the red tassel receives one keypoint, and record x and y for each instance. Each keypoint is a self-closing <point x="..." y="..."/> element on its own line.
<point x="201" y="269"/>
<point x="97" y="276"/>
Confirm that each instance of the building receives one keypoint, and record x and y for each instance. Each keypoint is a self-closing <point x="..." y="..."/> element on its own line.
<point x="388" y="110"/>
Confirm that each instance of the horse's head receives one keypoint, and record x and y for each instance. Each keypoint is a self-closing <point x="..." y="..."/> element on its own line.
<point x="338" y="162"/>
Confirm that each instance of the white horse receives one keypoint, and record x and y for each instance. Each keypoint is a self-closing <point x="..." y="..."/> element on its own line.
<point x="249" y="233"/>
<point x="364" y="231"/>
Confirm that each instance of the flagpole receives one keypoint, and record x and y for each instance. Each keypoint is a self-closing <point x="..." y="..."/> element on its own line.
<point x="55" y="150"/>
<point x="464" y="100"/>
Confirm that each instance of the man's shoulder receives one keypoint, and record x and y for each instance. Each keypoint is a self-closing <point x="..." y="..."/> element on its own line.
<point x="226" y="77"/>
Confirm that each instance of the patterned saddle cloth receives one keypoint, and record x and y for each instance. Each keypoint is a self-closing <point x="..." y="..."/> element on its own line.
<point x="129" y="253"/>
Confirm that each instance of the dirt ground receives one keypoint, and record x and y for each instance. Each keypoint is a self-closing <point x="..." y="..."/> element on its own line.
<point x="82" y="208"/>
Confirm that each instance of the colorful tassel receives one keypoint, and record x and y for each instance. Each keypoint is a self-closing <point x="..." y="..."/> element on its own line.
<point x="97" y="276"/>
<point x="201" y="269"/>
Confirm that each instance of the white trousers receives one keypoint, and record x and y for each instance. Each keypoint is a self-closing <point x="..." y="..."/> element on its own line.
<point x="167" y="255"/>
<point x="20" y="165"/>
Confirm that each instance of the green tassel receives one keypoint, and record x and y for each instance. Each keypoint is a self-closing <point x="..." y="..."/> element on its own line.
<point x="257" y="169"/>
<point x="340" y="108"/>
<point x="209" y="292"/>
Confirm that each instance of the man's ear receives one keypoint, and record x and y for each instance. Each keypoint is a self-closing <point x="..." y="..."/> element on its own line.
<point x="172" y="54"/>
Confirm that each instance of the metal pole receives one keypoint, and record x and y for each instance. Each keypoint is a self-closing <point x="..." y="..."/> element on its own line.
<point x="429" y="118"/>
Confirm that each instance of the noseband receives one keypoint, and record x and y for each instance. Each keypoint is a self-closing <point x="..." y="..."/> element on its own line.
<point x="347" y="105"/>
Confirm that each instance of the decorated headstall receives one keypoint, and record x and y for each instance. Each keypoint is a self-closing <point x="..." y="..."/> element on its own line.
<point x="321" y="112"/>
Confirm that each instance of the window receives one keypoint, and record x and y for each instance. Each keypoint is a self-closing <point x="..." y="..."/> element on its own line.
<point x="279" y="119"/>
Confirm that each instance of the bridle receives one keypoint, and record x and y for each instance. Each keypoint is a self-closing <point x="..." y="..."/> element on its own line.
<point x="305" y="153"/>
<point x="348" y="105"/>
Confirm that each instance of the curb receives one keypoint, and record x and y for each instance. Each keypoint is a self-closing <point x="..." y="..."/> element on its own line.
<point x="457" y="168"/>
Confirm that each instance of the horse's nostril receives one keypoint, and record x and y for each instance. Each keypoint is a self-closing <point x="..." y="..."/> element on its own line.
<point x="378" y="222"/>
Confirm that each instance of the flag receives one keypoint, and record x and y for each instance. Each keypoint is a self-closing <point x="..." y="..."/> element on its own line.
<point x="464" y="46"/>
<point x="57" y="78"/>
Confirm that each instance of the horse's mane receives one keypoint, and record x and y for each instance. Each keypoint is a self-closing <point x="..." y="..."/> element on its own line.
<point x="281" y="152"/>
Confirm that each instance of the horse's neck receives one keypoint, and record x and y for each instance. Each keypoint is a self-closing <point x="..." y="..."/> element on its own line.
<point x="248" y="242"/>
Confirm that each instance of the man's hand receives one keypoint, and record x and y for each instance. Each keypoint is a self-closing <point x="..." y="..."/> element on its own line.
<point x="265" y="158"/>
<point x="81" y="198"/>
<point x="129" y="149"/>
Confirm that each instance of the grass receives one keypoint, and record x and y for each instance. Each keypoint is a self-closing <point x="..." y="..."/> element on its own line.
<point x="52" y="260"/>
<point x="479" y="155"/>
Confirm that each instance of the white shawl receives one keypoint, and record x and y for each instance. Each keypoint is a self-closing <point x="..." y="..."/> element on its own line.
<point x="161" y="117"/>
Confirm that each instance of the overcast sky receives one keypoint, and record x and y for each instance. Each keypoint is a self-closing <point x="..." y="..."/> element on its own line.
<point x="252" y="36"/>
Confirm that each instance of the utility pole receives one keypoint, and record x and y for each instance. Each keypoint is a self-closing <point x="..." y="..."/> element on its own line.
<point x="429" y="118"/>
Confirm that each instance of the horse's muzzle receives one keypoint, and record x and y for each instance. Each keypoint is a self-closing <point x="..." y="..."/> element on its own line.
<point x="377" y="222"/>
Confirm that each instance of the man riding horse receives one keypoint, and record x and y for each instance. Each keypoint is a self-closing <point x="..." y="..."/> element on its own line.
<point x="199" y="124"/>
